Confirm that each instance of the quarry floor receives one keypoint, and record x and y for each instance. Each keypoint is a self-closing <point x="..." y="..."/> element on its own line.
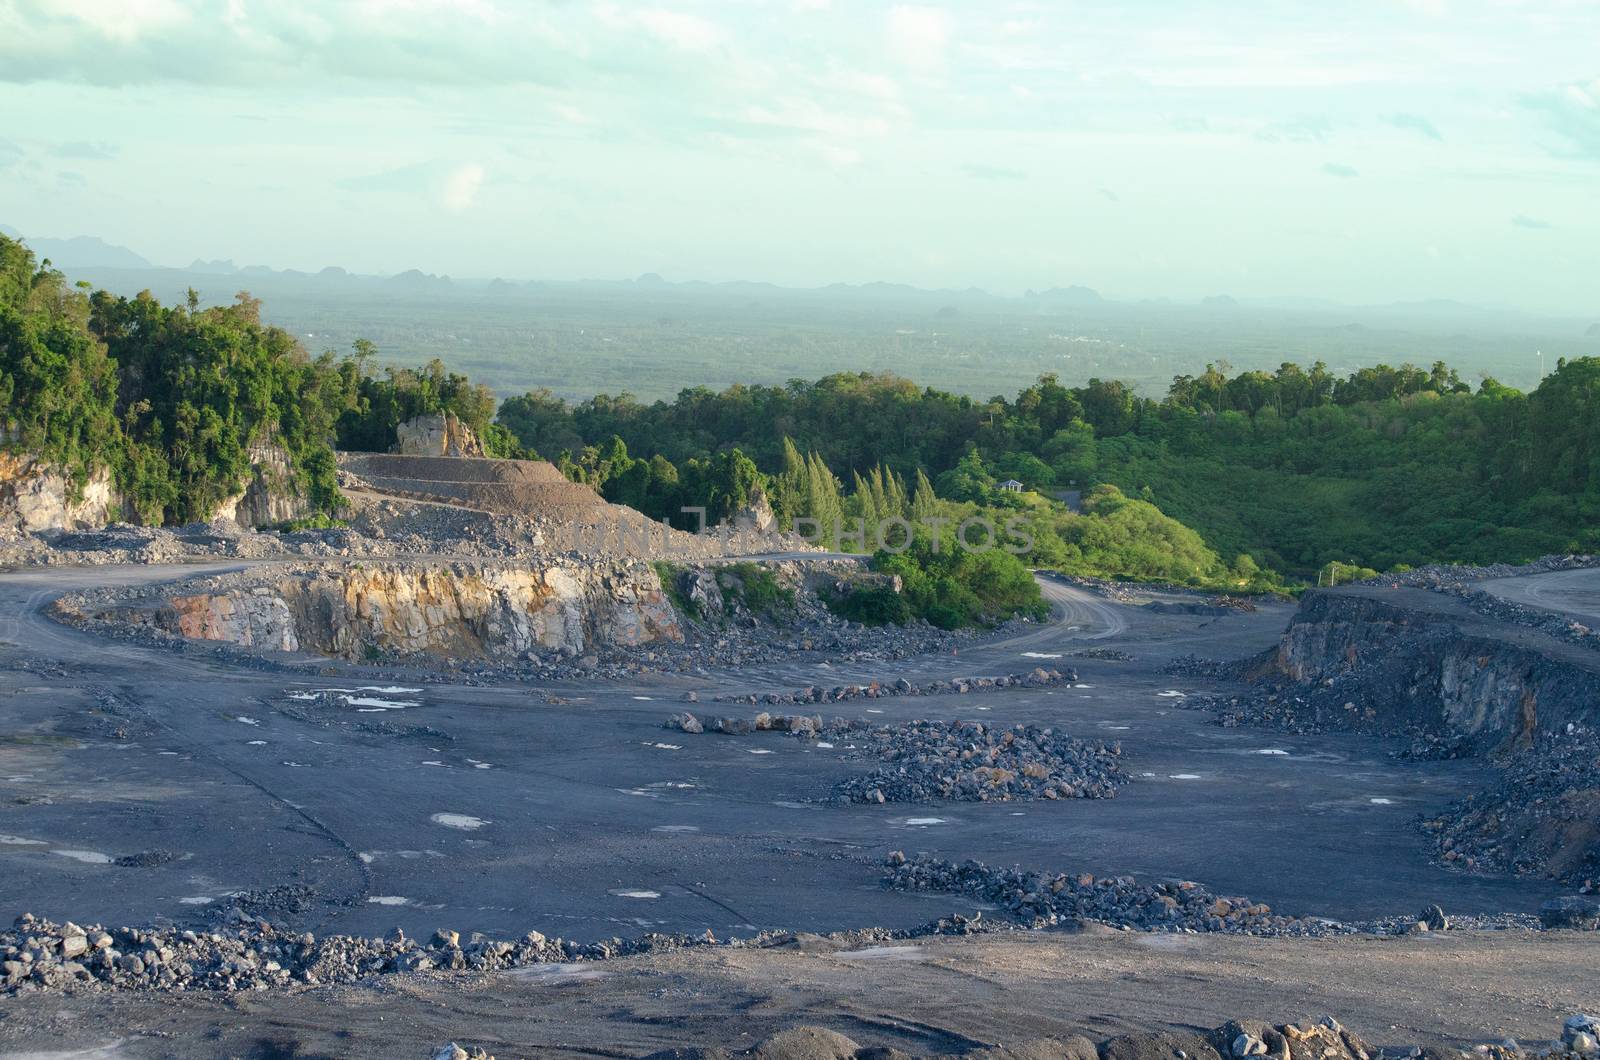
<point x="569" y="809"/>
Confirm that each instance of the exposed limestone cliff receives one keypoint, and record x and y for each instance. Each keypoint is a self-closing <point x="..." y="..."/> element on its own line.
<point x="439" y="434"/>
<point x="461" y="610"/>
<point x="36" y="496"/>
<point x="1355" y="661"/>
<point x="269" y="497"/>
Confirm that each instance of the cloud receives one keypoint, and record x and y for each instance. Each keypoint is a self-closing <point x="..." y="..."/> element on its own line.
<point x="1522" y="220"/>
<point x="1573" y="111"/>
<point x="985" y="172"/>
<point x="1306" y="129"/>
<point x="677" y="29"/>
<point x="92" y="151"/>
<point x="114" y="43"/>
<point x="461" y="187"/>
<point x="1415" y="123"/>
<point x="1109" y="195"/>
<point x="10" y="154"/>
<point x="1339" y="169"/>
<point x="918" y="36"/>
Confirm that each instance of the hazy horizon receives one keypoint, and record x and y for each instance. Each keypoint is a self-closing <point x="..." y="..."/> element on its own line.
<point x="1430" y="149"/>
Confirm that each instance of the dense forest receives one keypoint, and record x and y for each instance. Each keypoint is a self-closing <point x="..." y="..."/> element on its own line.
<point x="1227" y="479"/>
<point x="171" y="399"/>
<point x="1287" y="470"/>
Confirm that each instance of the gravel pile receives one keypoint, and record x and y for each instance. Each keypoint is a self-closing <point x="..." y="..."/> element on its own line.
<point x="959" y="761"/>
<point x="1048" y="900"/>
<point x="1036" y="678"/>
<point x="38" y="954"/>
<point x="972" y="762"/>
<point x="1541" y="817"/>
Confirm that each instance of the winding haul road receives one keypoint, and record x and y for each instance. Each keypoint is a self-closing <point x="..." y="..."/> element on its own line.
<point x="1567" y="592"/>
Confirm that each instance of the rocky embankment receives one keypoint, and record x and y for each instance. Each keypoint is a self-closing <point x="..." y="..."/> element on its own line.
<point x="1471" y="676"/>
<point x="544" y="616"/>
<point x="1363" y="663"/>
<point x="389" y="610"/>
<point x="1541" y="816"/>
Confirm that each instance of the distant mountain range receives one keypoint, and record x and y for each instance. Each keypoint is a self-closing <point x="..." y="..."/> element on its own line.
<point x="95" y="254"/>
<point x="82" y="252"/>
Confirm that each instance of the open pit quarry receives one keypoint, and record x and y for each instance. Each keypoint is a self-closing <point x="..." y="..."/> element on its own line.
<point x="449" y="775"/>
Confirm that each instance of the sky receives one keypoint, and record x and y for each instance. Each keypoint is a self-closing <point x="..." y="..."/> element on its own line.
<point x="1365" y="151"/>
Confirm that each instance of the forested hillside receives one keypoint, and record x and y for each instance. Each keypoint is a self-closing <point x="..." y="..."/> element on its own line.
<point x="1226" y="479"/>
<point x="171" y="398"/>
<point x="1291" y="469"/>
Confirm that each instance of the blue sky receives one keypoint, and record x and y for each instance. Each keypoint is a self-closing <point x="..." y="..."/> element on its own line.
<point x="1371" y="150"/>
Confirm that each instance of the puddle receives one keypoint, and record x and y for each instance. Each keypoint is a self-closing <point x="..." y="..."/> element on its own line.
<point x="667" y="746"/>
<point x="433" y="763"/>
<point x="871" y="710"/>
<point x="1119" y="728"/>
<point x="1173" y="693"/>
<point x="18" y="841"/>
<point x="676" y="828"/>
<point x="294" y="765"/>
<point x="889" y="953"/>
<point x="759" y="751"/>
<point x="459" y="820"/>
<point x="558" y="974"/>
<point x="199" y="899"/>
<point x="821" y="745"/>
<point x="366" y="858"/>
<point x="481" y="765"/>
<point x="88" y="857"/>
<point x="380" y="704"/>
<point x="644" y="699"/>
<point x="255" y="743"/>
<point x="922" y="822"/>
<point x="1183" y="776"/>
<point x="789" y="804"/>
<point x="1381" y="802"/>
<point x="636" y="894"/>
<point x="241" y="719"/>
<point x="637" y="791"/>
<point x="387" y="899"/>
<point x="1082" y="686"/>
<point x="1276" y="752"/>
<point x="1041" y="655"/>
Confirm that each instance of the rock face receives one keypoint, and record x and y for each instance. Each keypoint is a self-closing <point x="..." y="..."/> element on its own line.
<point x="459" y="610"/>
<point x="270" y="497"/>
<point x="36" y="496"/>
<point x="757" y="517"/>
<point x="1368" y="664"/>
<point x="438" y="434"/>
